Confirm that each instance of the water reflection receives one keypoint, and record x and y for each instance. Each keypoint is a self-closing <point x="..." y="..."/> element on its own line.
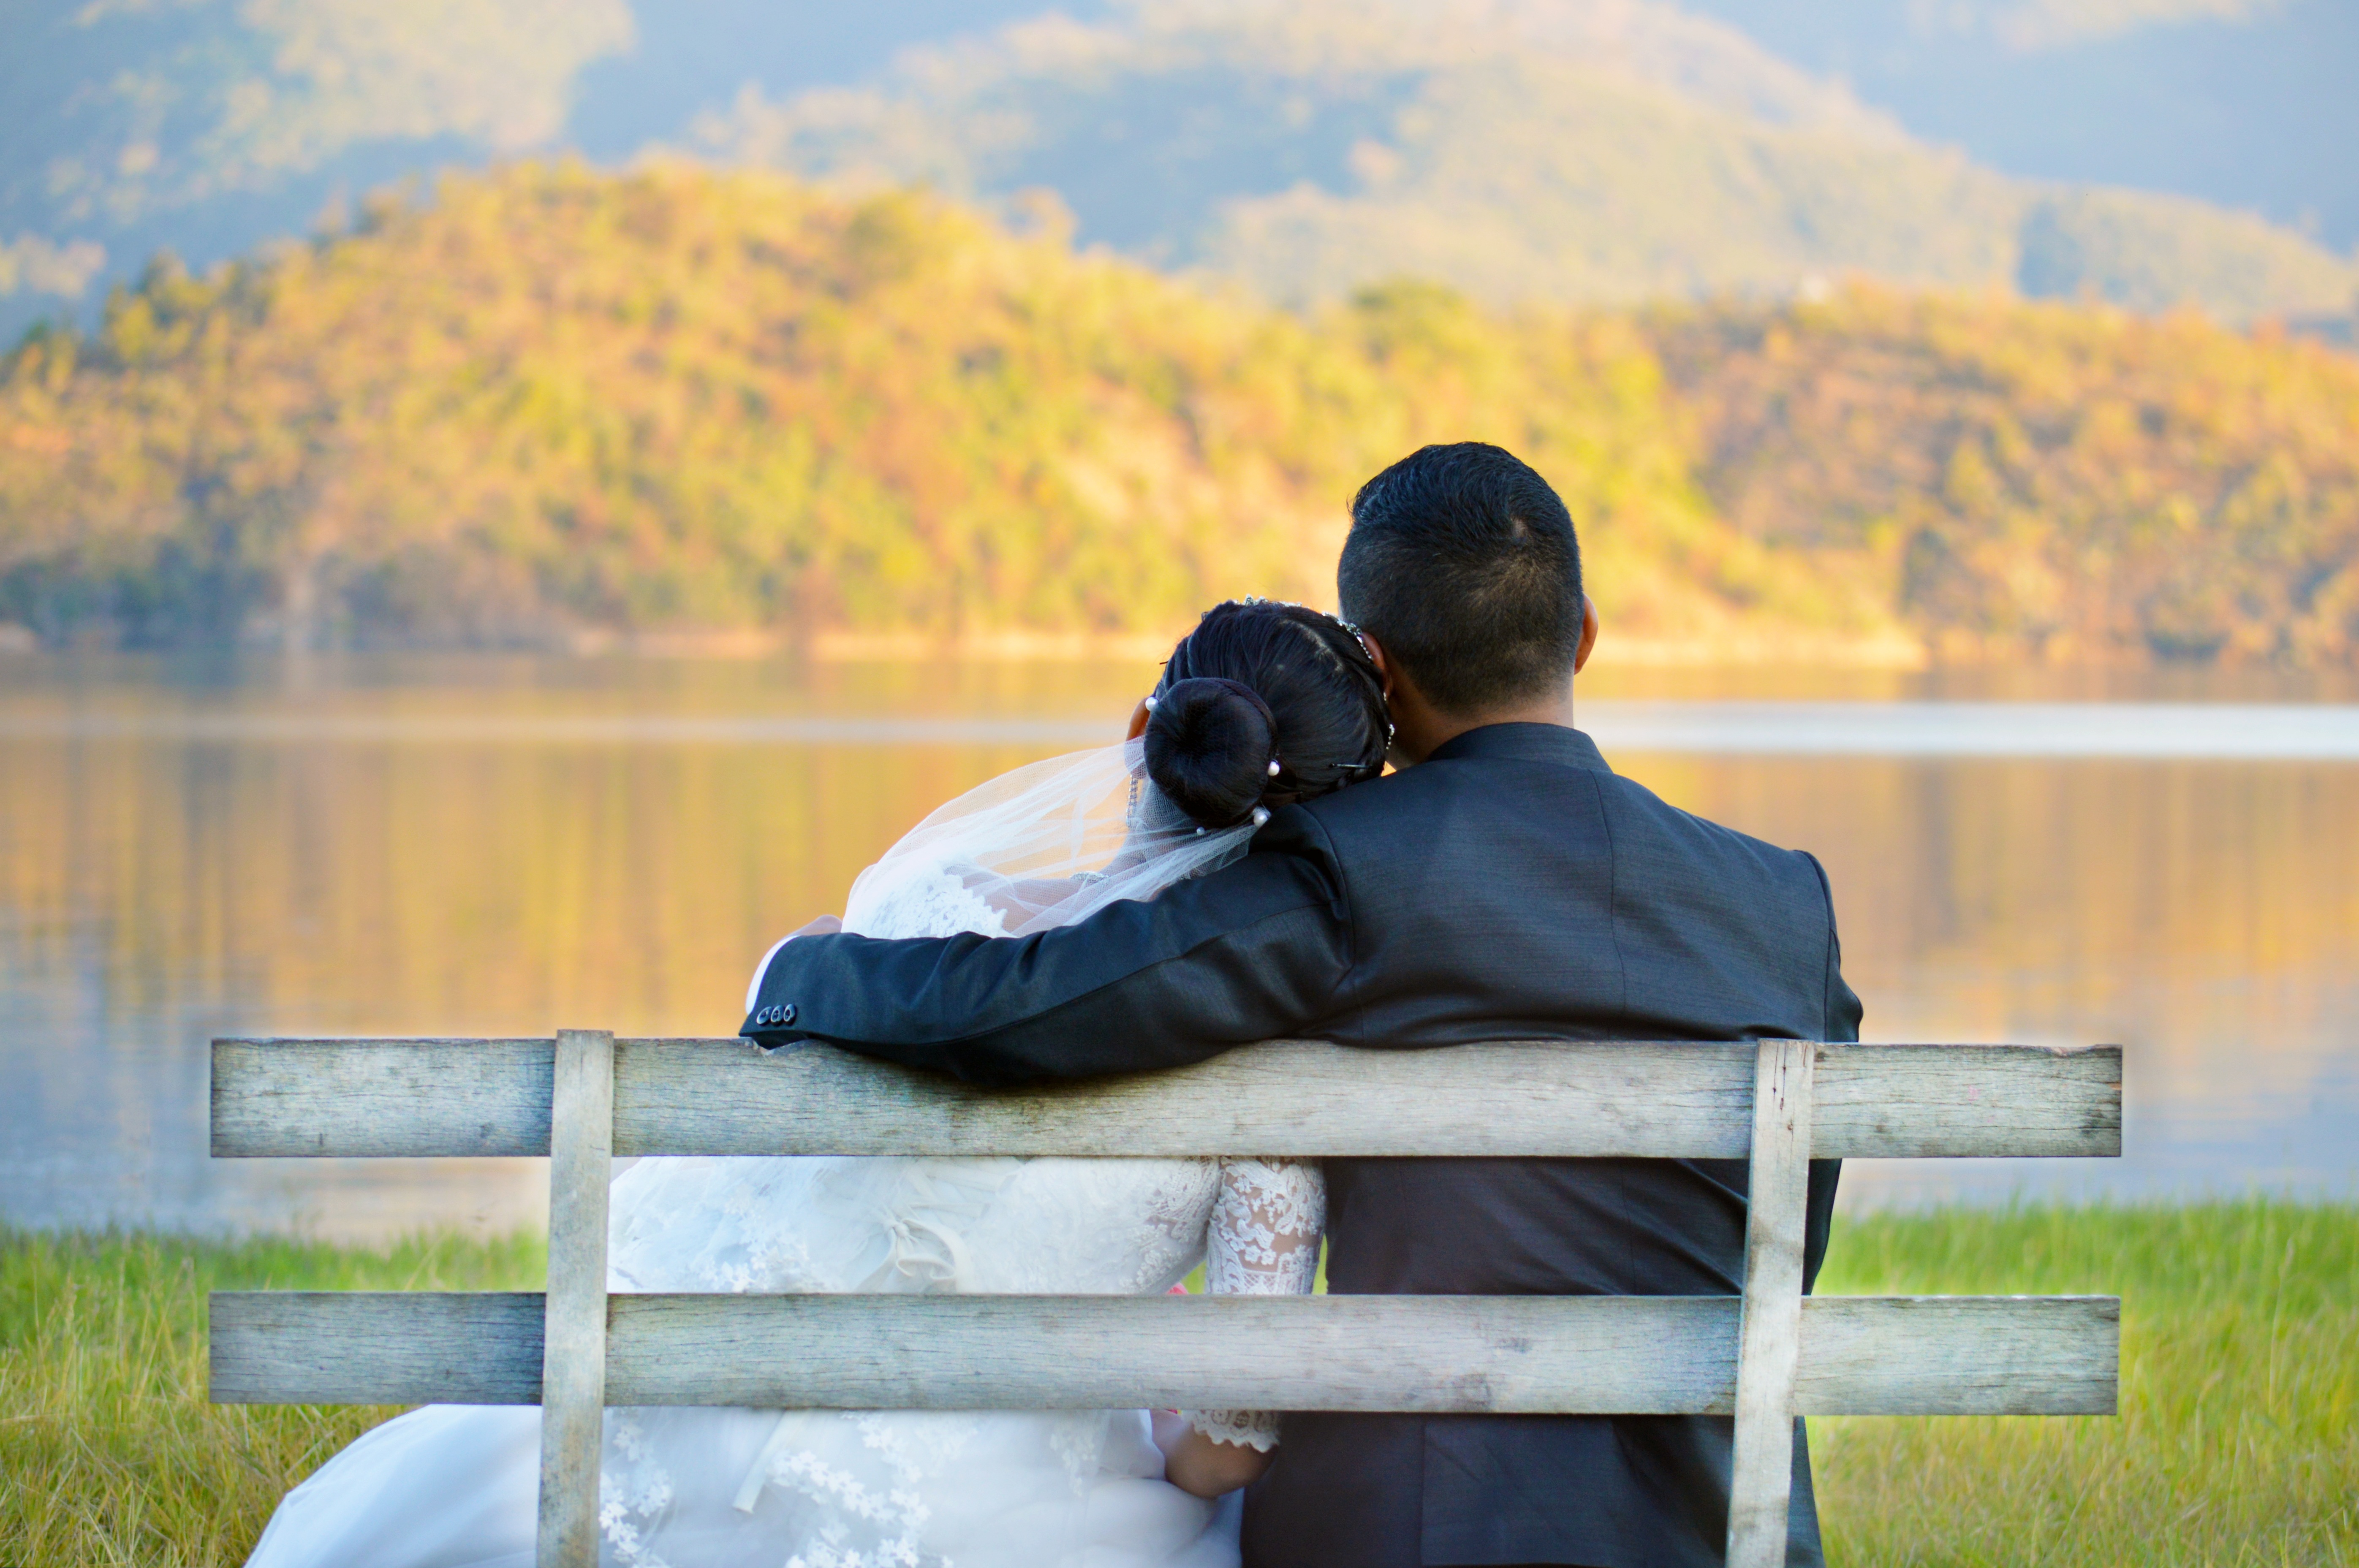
<point x="483" y="846"/>
<point x="2203" y="913"/>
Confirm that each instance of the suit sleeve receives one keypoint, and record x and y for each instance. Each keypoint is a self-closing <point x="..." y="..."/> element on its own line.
<point x="1841" y="1026"/>
<point x="1253" y="951"/>
<point x="1844" y="1011"/>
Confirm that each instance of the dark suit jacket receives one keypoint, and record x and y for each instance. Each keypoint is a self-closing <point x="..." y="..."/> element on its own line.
<point x="1511" y="886"/>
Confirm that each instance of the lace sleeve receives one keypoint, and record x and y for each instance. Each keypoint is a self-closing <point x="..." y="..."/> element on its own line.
<point x="1263" y="1241"/>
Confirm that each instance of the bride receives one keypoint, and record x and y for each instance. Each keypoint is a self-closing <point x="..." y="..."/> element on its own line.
<point x="1262" y="705"/>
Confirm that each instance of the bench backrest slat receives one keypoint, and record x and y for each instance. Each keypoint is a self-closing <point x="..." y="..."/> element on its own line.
<point x="1678" y="1099"/>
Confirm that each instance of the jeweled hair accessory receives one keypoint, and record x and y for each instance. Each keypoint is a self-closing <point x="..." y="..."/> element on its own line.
<point x="1291" y="604"/>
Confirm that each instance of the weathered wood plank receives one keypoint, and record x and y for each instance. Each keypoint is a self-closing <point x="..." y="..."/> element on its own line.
<point x="1483" y="1099"/>
<point x="574" y="1340"/>
<point x="360" y="1098"/>
<point x="1295" y="1097"/>
<point x="1958" y="1356"/>
<point x="375" y="1347"/>
<point x="1908" y="1102"/>
<point x="1769" y="1335"/>
<point x="1865" y="1354"/>
<point x="1425" y="1353"/>
<point x="1687" y="1099"/>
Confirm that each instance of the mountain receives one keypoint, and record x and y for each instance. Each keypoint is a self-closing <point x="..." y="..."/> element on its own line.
<point x="1569" y="149"/>
<point x="551" y="404"/>
<point x="206" y="127"/>
<point x="2242" y="103"/>
<point x="1581" y="150"/>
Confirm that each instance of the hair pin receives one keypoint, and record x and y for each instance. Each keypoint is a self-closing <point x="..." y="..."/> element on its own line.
<point x="1260" y="814"/>
<point x="1273" y="767"/>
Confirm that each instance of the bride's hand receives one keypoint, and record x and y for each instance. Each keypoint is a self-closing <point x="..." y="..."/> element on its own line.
<point x="825" y="925"/>
<point x="1204" y="1466"/>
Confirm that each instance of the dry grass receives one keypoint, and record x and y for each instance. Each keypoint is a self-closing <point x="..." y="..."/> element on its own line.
<point x="109" y="1454"/>
<point x="2238" y="1441"/>
<point x="2238" y="1437"/>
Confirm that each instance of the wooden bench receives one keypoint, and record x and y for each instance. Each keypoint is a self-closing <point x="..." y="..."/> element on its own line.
<point x="1764" y="1357"/>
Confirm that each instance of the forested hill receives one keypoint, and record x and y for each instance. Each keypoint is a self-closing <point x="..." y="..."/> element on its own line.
<point x="555" y="402"/>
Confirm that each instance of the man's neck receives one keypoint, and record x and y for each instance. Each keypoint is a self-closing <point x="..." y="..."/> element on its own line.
<point x="1420" y="730"/>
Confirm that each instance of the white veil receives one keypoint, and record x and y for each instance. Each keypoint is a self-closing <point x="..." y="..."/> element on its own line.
<point x="1046" y="845"/>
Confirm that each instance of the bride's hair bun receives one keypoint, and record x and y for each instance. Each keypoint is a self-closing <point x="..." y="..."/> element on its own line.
<point x="1209" y="744"/>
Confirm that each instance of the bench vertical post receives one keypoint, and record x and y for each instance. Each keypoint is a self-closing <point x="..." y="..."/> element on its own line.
<point x="1777" y="1200"/>
<point x="573" y="1346"/>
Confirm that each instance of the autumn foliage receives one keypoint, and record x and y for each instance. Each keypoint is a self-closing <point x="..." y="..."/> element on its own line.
<point x="554" y="401"/>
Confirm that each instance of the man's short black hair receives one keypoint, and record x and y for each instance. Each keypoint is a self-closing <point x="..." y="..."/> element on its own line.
<point x="1462" y="564"/>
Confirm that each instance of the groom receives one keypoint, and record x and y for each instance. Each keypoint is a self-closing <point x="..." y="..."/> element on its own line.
<point x="1505" y="883"/>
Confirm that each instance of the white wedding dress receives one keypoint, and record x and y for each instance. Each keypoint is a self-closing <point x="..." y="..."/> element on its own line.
<point x="455" y="1487"/>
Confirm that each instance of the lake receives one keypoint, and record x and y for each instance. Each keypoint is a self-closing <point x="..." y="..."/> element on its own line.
<point x="491" y="844"/>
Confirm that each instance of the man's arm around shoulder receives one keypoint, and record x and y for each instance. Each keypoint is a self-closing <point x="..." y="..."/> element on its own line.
<point x="1249" y="952"/>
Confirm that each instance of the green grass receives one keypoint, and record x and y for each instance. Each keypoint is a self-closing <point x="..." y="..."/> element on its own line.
<point x="2238" y="1441"/>
<point x="2238" y="1437"/>
<point x="109" y="1454"/>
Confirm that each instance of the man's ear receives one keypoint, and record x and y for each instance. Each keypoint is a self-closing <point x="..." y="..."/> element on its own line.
<point x="1138" y="720"/>
<point x="1588" y="633"/>
<point x="1384" y="666"/>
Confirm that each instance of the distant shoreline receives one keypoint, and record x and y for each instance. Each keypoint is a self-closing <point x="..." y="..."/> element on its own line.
<point x="1885" y="650"/>
<point x="1879" y="651"/>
